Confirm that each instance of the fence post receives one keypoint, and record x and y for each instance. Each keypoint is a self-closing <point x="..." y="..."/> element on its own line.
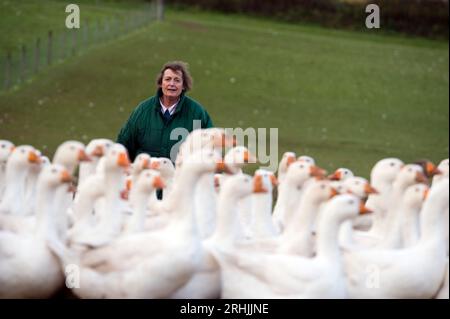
<point x="37" y="55"/>
<point x="23" y="63"/>
<point x="160" y="10"/>
<point x="49" y="47"/>
<point x="8" y="65"/>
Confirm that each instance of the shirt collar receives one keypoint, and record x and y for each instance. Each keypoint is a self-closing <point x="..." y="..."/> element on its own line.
<point x="170" y="108"/>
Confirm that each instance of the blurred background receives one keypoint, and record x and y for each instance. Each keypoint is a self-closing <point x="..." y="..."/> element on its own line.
<point x="337" y="91"/>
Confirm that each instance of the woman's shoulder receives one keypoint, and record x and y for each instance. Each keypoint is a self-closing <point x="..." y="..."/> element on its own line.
<point x="193" y="105"/>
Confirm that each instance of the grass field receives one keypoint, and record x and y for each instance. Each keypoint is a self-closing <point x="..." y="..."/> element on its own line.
<point x="347" y="99"/>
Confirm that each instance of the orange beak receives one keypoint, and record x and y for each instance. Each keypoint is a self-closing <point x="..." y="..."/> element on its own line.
<point x="12" y="149"/>
<point x="221" y="167"/>
<point x="336" y="176"/>
<point x="34" y="158"/>
<point x="82" y="156"/>
<point x="368" y="189"/>
<point x="98" y="151"/>
<point x="123" y="160"/>
<point x="249" y="158"/>
<point x="317" y="171"/>
<point x="154" y="164"/>
<point x="65" y="177"/>
<point x="432" y="170"/>
<point x="158" y="183"/>
<point x="363" y="209"/>
<point x="129" y="184"/>
<point x="258" y="186"/>
<point x="146" y="164"/>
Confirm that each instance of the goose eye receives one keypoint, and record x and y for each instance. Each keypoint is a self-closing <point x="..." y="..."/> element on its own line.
<point x="322" y="186"/>
<point x="72" y="148"/>
<point x="23" y="151"/>
<point x="392" y="164"/>
<point x="357" y="183"/>
<point x="351" y="202"/>
<point x="302" y="166"/>
<point x="3" y="146"/>
<point x="54" y="171"/>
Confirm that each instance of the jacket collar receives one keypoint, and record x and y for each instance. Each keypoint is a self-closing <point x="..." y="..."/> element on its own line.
<point x="179" y="105"/>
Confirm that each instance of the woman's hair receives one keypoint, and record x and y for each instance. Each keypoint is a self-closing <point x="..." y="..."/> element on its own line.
<point x="176" y="66"/>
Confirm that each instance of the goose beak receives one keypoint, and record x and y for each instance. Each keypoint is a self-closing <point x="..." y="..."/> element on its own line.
<point x="317" y="171"/>
<point x="258" y="186"/>
<point x="98" y="151"/>
<point x="431" y="169"/>
<point x="146" y="164"/>
<point x="368" y="189"/>
<point x="154" y="165"/>
<point x="363" y="209"/>
<point x="291" y="159"/>
<point x="83" y="157"/>
<point x="65" y="177"/>
<point x="333" y="192"/>
<point x="336" y="176"/>
<point x="249" y="158"/>
<point x="158" y="183"/>
<point x="123" y="160"/>
<point x="128" y="184"/>
<point x="12" y="149"/>
<point x="421" y="178"/>
<point x="221" y="167"/>
<point x="33" y="157"/>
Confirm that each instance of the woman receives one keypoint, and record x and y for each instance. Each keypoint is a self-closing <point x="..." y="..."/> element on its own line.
<point x="149" y="127"/>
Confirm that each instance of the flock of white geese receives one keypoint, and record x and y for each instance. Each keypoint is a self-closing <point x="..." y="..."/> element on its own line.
<point x="217" y="232"/>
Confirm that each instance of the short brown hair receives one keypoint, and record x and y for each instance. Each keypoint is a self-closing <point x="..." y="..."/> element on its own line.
<point x="176" y="66"/>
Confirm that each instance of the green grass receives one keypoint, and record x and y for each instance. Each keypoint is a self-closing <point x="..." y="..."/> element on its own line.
<point x="348" y="99"/>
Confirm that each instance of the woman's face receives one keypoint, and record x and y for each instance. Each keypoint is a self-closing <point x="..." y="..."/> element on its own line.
<point x="172" y="83"/>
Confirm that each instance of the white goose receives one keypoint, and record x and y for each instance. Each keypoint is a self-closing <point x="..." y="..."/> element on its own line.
<point x="286" y="160"/>
<point x="382" y="177"/>
<point x="154" y="264"/>
<point x="110" y="215"/>
<point x="17" y="168"/>
<point x="95" y="149"/>
<point x="41" y="278"/>
<point x="205" y="283"/>
<point x="388" y="273"/>
<point x="6" y="148"/>
<point x="247" y="275"/>
<point x="290" y="191"/>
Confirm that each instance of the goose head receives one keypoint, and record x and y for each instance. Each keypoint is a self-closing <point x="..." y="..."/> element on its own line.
<point x="23" y="157"/>
<point x="242" y="185"/>
<point x="385" y="171"/>
<point x="6" y="148"/>
<point x="415" y="195"/>
<point x="205" y="161"/>
<point x="319" y="191"/>
<point x="164" y="166"/>
<point x="270" y="180"/>
<point x="409" y="175"/>
<point x="307" y="159"/>
<point x="147" y="182"/>
<point x="345" y="206"/>
<point x="70" y="154"/>
<point x="299" y="172"/>
<point x="237" y="157"/>
<point x="116" y="159"/>
<point x="286" y="160"/>
<point x="443" y="167"/>
<point x="54" y="175"/>
<point x="141" y="162"/>
<point x="428" y="168"/>
<point x="359" y="186"/>
<point x="341" y="174"/>
<point x="98" y="147"/>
